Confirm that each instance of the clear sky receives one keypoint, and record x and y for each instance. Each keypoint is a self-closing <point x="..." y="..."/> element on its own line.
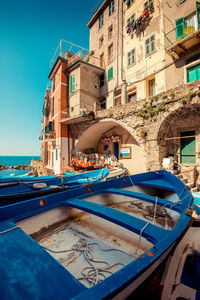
<point x="30" y="31"/>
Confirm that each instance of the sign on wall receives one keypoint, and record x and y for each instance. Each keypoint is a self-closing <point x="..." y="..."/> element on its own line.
<point x="125" y="152"/>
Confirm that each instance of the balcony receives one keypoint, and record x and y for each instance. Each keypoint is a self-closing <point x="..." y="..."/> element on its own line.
<point x="51" y="136"/>
<point x="70" y="52"/>
<point x="82" y="117"/>
<point x="178" y="45"/>
<point x="49" y="127"/>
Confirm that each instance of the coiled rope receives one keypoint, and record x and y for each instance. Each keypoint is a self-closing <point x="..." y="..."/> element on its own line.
<point x="92" y="274"/>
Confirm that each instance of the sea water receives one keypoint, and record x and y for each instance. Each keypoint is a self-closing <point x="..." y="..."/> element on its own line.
<point x="14" y="161"/>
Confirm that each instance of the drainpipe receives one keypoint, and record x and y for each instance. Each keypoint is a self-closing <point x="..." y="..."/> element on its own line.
<point x="118" y="43"/>
<point x="122" y="49"/>
<point x="68" y="128"/>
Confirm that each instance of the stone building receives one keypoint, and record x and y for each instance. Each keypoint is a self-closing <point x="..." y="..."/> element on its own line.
<point x="138" y="81"/>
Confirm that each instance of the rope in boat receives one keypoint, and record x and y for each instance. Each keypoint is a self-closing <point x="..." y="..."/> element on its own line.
<point x="154" y="211"/>
<point x="91" y="274"/>
<point x="140" y="236"/>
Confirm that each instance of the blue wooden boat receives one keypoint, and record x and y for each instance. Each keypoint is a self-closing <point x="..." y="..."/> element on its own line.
<point x="196" y="202"/>
<point x="48" y="185"/>
<point x="8" y="181"/>
<point x="182" y="271"/>
<point x="99" y="241"/>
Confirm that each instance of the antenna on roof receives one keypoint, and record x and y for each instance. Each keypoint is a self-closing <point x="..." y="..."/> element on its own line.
<point x="95" y="8"/>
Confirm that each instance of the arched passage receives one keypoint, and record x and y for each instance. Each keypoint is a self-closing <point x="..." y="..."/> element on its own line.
<point x="179" y="135"/>
<point x="91" y="138"/>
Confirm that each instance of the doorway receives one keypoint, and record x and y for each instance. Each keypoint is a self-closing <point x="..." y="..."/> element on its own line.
<point x="188" y="147"/>
<point x="116" y="150"/>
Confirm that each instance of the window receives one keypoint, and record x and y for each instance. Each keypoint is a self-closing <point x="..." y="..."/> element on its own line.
<point x="149" y="5"/>
<point x="102" y="63"/>
<point x="188" y="147"/>
<point x="101" y="20"/>
<point x="131" y="57"/>
<point x="132" y="97"/>
<point x="193" y="73"/>
<point x="129" y="2"/>
<point x="110" y="74"/>
<point x="152" y="87"/>
<point x="101" y="41"/>
<point x="110" y="31"/>
<point x="192" y="22"/>
<point x="131" y="19"/>
<point x="53" y="83"/>
<point x="111" y="7"/>
<point x="102" y="78"/>
<point x="150" y="45"/>
<point x="72" y="83"/>
<point x="198" y="13"/>
<point x="56" y="154"/>
<point x="53" y="107"/>
<point x="110" y="53"/>
<point x="103" y="103"/>
<point x="180" y="26"/>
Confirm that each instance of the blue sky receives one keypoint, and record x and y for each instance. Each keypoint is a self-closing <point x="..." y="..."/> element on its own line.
<point x="30" y="32"/>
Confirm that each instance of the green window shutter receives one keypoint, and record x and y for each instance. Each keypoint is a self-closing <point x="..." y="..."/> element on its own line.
<point x="188" y="148"/>
<point x="70" y="85"/>
<point x="180" y="26"/>
<point x="198" y="72"/>
<point x="110" y="74"/>
<point x="73" y="83"/>
<point x="193" y="73"/>
<point x="198" y="13"/>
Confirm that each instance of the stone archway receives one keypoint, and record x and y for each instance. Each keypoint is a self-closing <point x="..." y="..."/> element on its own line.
<point x="183" y="119"/>
<point x="90" y="137"/>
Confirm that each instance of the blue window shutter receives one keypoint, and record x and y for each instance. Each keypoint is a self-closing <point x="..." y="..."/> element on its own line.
<point x="180" y="26"/>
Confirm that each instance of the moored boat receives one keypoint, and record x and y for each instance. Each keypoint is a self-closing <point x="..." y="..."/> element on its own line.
<point x="182" y="272"/>
<point x="15" y="180"/>
<point x="84" y="244"/>
<point x="196" y="202"/>
<point x="34" y="188"/>
<point x="116" y="173"/>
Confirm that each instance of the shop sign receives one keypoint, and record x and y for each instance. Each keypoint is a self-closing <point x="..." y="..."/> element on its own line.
<point x="125" y="152"/>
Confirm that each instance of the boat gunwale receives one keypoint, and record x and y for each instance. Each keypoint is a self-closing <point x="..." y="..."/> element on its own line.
<point x="131" y="271"/>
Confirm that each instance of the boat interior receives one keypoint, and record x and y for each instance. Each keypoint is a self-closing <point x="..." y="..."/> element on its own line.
<point x="95" y="236"/>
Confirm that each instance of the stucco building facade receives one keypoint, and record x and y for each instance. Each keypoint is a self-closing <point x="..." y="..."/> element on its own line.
<point x="138" y="81"/>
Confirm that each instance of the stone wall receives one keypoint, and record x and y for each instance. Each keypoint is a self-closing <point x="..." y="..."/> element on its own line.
<point x="152" y="120"/>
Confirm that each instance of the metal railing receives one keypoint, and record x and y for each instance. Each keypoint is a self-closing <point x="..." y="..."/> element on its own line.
<point x="173" y="37"/>
<point x="70" y="52"/>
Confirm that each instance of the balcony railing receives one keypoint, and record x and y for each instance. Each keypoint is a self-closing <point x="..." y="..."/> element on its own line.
<point x="51" y="135"/>
<point x="179" y="42"/>
<point x="173" y="37"/>
<point x="70" y="52"/>
<point x="48" y="127"/>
